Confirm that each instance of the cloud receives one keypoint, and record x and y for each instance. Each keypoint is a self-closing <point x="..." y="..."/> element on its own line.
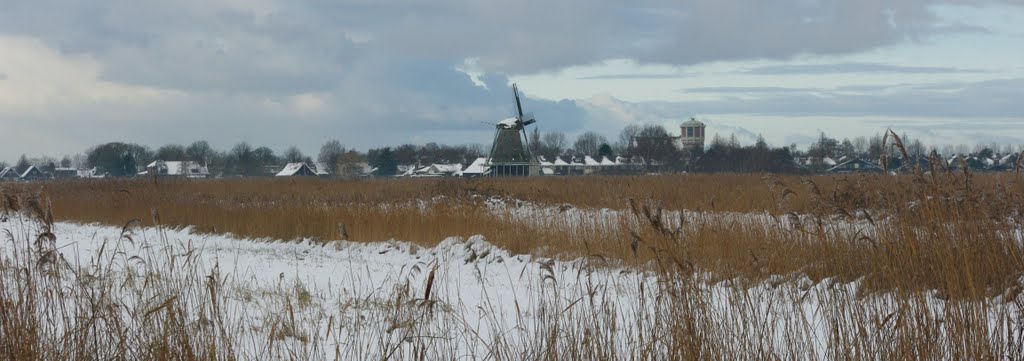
<point x="373" y="72"/>
<point x="741" y="89"/>
<point x="943" y="113"/>
<point x="63" y="105"/>
<point x="637" y="76"/>
<point x="277" y="43"/>
<point x="839" y="68"/>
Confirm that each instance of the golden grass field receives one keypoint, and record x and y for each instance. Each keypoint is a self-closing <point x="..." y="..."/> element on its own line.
<point x="954" y="237"/>
<point x="734" y="224"/>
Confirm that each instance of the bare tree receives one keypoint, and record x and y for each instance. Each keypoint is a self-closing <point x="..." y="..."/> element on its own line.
<point x="330" y="155"/>
<point x="293" y="155"/>
<point x="535" y="142"/>
<point x="589" y="143"/>
<point x="171" y="152"/>
<point x="860" y="144"/>
<point x="626" y="137"/>
<point x="554" y="144"/>
<point x="200" y="151"/>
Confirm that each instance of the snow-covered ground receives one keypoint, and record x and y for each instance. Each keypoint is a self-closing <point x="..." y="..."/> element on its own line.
<point x="356" y="300"/>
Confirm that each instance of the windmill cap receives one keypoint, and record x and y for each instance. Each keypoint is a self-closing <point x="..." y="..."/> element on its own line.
<point x="508" y="122"/>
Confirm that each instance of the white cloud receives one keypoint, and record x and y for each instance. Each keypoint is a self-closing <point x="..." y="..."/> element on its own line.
<point x="39" y="78"/>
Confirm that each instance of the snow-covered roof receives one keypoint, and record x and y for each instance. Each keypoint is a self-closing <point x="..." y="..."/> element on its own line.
<point x="508" y="123"/>
<point x="588" y="160"/>
<point x="606" y="161"/>
<point x="293" y="169"/>
<point x="828" y="161"/>
<point x="31" y="171"/>
<point x="437" y="169"/>
<point x="90" y="173"/>
<point x="9" y="173"/>
<point x="321" y="168"/>
<point x="405" y="170"/>
<point x="559" y="161"/>
<point x="447" y="168"/>
<point x="183" y="168"/>
<point x="476" y="168"/>
<point x="867" y="166"/>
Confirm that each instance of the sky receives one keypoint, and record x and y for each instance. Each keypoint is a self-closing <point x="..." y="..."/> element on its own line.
<point x="74" y="74"/>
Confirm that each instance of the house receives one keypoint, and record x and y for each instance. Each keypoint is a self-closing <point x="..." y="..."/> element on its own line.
<point x="855" y="165"/>
<point x="1001" y="167"/>
<point x="364" y="169"/>
<point x="917" y="163"/>
<point x="65" y="173"/>
<point x="406" y="170"/>
<point x="546" y="168"/>
<point x="438" y="170"/>
<point x="476" y="169"/>
<point x="9" y="174"/>
<point x="187" y="169"/>
<point x="1006" y="163"/>
<point x="33" y="173"/>
<point x="92" y="173"/>
<point x="297" y="170"/>
<point x="561" y="166"/>
<point x="691" y="136"/>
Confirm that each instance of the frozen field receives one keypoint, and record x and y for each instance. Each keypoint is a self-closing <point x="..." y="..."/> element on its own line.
<point x="462" y="298"/>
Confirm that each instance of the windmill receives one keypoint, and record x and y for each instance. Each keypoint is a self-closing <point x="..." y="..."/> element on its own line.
<point x="510" y="153"/>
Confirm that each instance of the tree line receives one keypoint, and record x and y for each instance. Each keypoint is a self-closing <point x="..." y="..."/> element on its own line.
<point x="650" y="146"/>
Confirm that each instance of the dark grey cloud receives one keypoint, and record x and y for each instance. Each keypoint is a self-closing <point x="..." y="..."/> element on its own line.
<point x="853" y="68"/>
<point x="425" y="102"/>
<point x="271" y="43"/>
<point x="383" y="70"/>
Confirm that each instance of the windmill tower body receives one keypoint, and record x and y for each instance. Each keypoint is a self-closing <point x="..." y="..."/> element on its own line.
<point x="510" y="152"/>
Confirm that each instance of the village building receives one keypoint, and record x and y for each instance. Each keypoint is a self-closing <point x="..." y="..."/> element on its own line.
<point x="405" y="170"/>
<point x="65" y="173"/>
<point x="33" y="173"/>
<point x="186" y="169"/>
<point x="691" y="136"/>
<point x="9" y="174"/>
<point x="92" y="173"/>
<point x="914" y="164"/>
<point x="438" y="170"/>
<point x="297" y="170"/>
<point x="855" y="165"/>
<point x="478" y="168"/>
<point x="1001" y="167"/>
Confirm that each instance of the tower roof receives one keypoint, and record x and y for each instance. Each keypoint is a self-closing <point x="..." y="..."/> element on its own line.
<point x="692" y="123"/>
